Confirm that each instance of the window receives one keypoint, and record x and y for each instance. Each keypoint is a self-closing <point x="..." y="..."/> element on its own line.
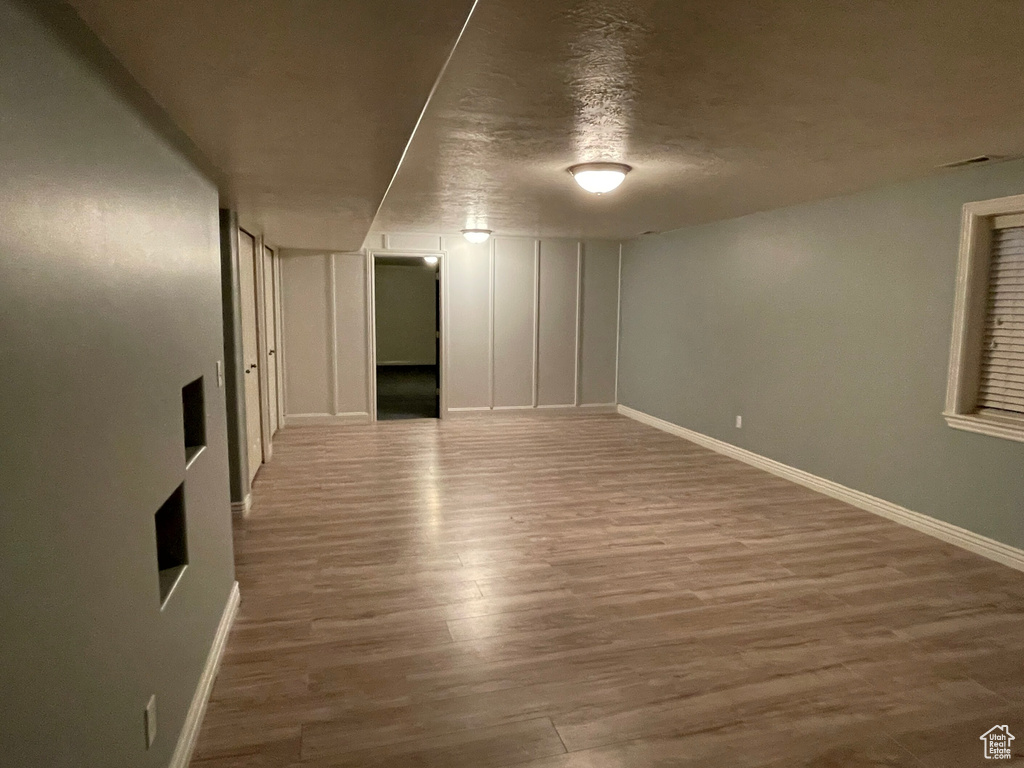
<point x="985" y="391"/>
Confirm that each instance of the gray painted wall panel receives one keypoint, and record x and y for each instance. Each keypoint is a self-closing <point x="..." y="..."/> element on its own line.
<point x="350" y="301"/>
<point x="600" y="322"/>
<point x="514" y="315"/>
<point x="468" y="329"/>
<point x="557" y="319"/>
<point x="827" y="327"/>
<point x="305" y="305"/>
<point x="110" y="302"/>
<point x="468" y="326"/>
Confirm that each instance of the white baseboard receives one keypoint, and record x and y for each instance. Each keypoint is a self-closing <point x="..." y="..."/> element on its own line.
<point x="951" y="534"/>
<point x="540" y="411"/>
<point x="241" y="508"/>
<point x="194" y="719"/>
<point x="325" y="419"/>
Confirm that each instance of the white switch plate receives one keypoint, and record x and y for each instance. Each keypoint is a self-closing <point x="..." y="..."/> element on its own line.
<point x="739" y="422"/>
<point x="150" y="718"/>
<point x="220" y="374"/>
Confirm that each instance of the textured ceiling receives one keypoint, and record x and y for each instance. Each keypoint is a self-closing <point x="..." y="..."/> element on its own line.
<point x="724" y="107"/>
<point x="304" y="106"/>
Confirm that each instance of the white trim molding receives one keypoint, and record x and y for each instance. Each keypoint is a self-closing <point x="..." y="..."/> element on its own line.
<point x="326" y="419"/>
<point x="241" y="508"/>
<point x="536" y="323"/>
<point x="194" y="719"/>
<point x="577" y="380"/>
<point x="978" y="221"/>
<point x="541" y="411"/>
<point x="988" y="424"/>
<point x="332" y="326"/>
<point x="951" y="534"/>
<point x="618" y="324"/>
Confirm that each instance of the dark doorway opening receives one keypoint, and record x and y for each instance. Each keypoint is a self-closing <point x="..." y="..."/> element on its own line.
<point x="407" y="333"/>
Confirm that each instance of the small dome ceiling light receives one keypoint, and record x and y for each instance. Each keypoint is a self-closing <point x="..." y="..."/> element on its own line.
<point x="476" y="235"/>
<point x="431" y="260"/>
<point x="599" y="177"/>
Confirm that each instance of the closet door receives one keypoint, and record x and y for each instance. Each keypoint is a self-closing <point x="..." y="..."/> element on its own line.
<point x="250" y="349"/>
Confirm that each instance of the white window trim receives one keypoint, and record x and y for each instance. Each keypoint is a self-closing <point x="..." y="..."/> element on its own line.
<point x="969" y="319"/>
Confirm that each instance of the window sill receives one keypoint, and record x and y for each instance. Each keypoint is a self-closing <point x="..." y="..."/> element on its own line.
<point x="1006" y="427"/>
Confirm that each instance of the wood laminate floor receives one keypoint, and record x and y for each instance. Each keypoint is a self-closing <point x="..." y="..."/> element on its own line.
<point x="592" y="593"/>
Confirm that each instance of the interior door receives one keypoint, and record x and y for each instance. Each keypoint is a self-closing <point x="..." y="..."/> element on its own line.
<point x="269" y="302"/>
<point x="250" y="349"/>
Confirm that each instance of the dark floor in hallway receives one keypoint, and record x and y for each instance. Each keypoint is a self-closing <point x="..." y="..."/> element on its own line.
<point x="407" y="392"/>
<point x="587" y="592"/>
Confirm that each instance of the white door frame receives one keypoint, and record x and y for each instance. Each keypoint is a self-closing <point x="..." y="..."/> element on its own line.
<point x="258" y="354"/>
<point x="371" y="322"/>
<point x="279" y="340"/>
<point x="269" y="315"/>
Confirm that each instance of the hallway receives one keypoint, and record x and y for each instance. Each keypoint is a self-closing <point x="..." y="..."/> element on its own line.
<point x="407" y="392"/>
<point x="499" y="592"/>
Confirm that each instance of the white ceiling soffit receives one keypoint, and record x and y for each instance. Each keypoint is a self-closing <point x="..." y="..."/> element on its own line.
<point x="723" y="107"/>
<point x="305" y="106"/>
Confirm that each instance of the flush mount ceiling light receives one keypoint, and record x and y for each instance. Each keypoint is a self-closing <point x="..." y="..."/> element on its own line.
<point x="599" y="177"/>
<point x="431" y="260"/>
<point x="476" y="235"/>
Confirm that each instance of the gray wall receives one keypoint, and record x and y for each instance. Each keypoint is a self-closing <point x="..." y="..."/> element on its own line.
<point x="406" y="309"/>
<point x="827" y="327"/>
<point x="110" y="302"/>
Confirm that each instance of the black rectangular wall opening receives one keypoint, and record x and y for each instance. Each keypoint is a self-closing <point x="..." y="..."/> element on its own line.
<point x="193" y="411"/>
<point x="171" y="542"/>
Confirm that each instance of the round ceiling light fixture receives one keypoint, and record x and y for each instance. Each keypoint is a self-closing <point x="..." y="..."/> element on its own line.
<point x="599" y="178"/>
<point x="430" y="260"/>
<point x="476" y="235"/>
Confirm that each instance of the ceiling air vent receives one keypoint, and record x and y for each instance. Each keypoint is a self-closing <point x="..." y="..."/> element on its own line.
<point x="970" y="161"/>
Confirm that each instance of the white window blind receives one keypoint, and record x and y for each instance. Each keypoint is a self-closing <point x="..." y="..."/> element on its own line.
<point x="1002" y="358"/>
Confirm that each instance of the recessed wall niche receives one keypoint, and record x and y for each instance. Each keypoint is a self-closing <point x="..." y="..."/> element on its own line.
<point x="171" y="542"/>
<point x="193" y="413"/>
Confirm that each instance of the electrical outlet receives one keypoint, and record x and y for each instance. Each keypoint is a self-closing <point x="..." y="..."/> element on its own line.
<point x="739" y="422"/>
<point x="149" y="716"/>
<point x="220" y="374"/>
